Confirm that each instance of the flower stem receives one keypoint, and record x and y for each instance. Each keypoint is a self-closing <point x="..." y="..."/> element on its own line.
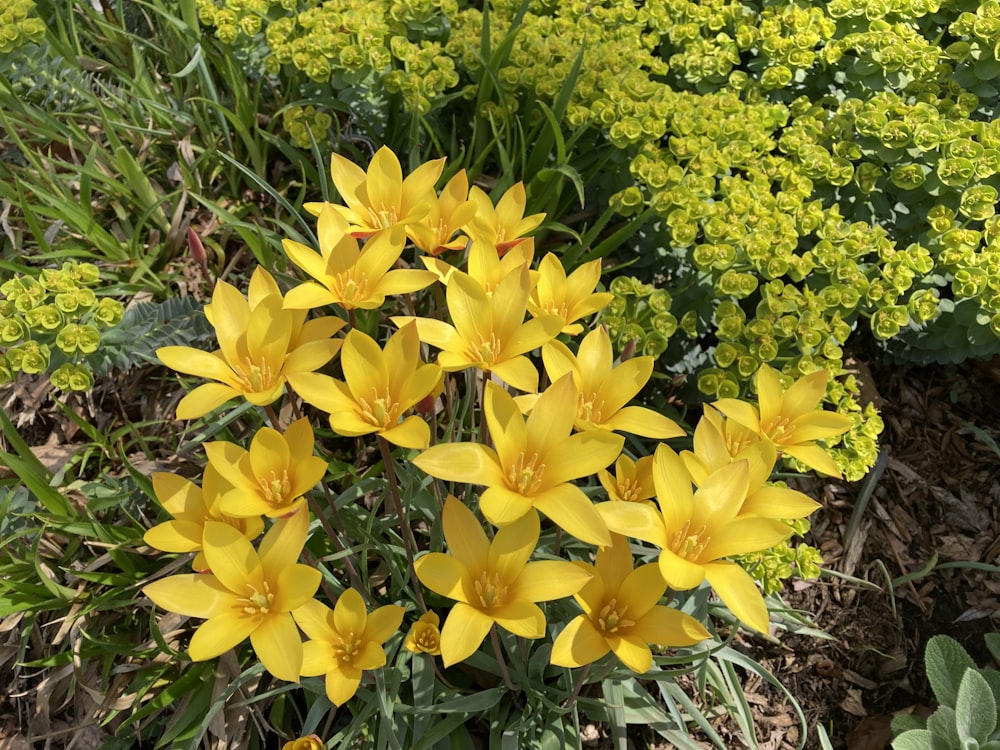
<point x="500" y="660"/>
<point x="352" y="572"/>
<point x="409" y="542"/>
<point x="580" y="677"/>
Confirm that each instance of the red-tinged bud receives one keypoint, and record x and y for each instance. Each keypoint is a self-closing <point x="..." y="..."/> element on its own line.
<point x="196" y="248"/>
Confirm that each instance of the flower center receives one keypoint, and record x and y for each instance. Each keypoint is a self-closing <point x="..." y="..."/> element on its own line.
<point x="525" y="477"/>
<point x="256" y="377"/>
<point x="490" y="590"/>
<point x="688" y="545"/>
<point x="561" y="310"/>
<point x="736" y="439"/>
<point x="427" y="638"/>
<point x="589" y="408"/>
<point x="628" y="490"/>
<point x="257" y="602"/>
<point x="486" y="349"/>
<point x="276" y="489"/>
<point x="384" y="217"/>
<point x="348" y="648"/>
<point x="350" y="289"/>
<point x="612" y="617"/>
<point x="379" y="410"/>
<point x="779" y="429"/>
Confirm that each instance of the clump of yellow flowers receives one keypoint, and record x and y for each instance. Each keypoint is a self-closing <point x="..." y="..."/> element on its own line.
<point x="538" y="502"/>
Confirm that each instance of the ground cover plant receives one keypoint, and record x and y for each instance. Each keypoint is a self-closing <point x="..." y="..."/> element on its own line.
<point x="493" y="407"/>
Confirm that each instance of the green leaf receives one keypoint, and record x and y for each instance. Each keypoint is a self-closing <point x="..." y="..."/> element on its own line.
<point x="975" y="708"/>
<point x="946" y="662"/>
<point x="942" y="725"/>
<point x="905" y="722"/>
<point x="919" y="739"/>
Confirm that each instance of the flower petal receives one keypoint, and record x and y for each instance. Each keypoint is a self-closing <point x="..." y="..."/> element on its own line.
<point x="412" y="432"/>
<point x="571" y="510"/>
<point x="636" y="520"/>
<point x="743" y="535"/>
<point x="579" y="643"/>
<point x="295" y="586"/>
<point x="471" y="463"/>
<point x="633" y="652"/>
<point x="232" y="558"/>
<point x="546" y="580"/>
<point x="462" y="633"/>
<point x="316" y="621"/>
<point x="738" y="592"/>
<point x="820" y="425"/>
<point x="221" y="633"/>
<point x="318" y="657"/>
<point x="512" y="547"/>
<point x="205" y="398"/>
<point x="638" y="420"/>
<point x="580" y="455"/>
<point x="814" y="457"/>
<point x="342" y="683"/>
<point x="642" y="589"/>
<point x="191" y="594"/>
<point x="464" y="534"/>
<point x="382" y="623"/>
<point x="444" y="575"/>
<point x="520" y="617"/>
<point x="282" y="544"/>
<point x="349" y="613"/>
<point x="680" y="574"/>
<point x="665" y="626"/>
<point x="174" y="536"/>
<point x="278" y="646"/>
<point x="778" y="502"/>
<point x="501" y="506"/>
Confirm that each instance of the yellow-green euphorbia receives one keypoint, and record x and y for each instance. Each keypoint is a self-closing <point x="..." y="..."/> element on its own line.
<point x="346" y="274"/>
<point x="492" y="582"/>
<point x="489" y="332"/>
<point x="791" y="419"/>
<point x="381" y="386"/>
<point x="696" y="529"/>
<point x="260" y="345"/>
<point x="436" y="232"/>
<point x="191" y="507"/>
<point x="249" y="593"/>
<point x="534" y="463"/>
<point x="605" y="389"/>
<point x="345" y="641"/>
<point x="271" y="478"/>
<point x="380" y="198"/>
<point x="621" y="614"/>
<point x="570" y="297"/>
<point x="632" y="481"/>
<point x="504" y="226"/>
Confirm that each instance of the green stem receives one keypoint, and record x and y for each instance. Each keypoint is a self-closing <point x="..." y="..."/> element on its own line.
<point x="500" y="660"/>
<point x="409" y="542"/>
<point x="352" y="572"/>
<point x="580" y="677"/>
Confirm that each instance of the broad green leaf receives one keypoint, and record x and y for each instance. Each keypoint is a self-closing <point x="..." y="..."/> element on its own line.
<point x="919" y="739"/>
<point x="942" y="725"/>
<point x="946" y="662"/>
<point x="975" y="708"/>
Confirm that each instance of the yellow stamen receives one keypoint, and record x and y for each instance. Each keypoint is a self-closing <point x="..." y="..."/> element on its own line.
<point x="612" y="617"/>
<point x="525" y="477"/>
<point x="490" y="590"/>
<point x="257" y="602"/>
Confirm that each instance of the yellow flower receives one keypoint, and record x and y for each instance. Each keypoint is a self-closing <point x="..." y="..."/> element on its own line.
<point x="572" y="297"/>
<point x="346" y="274"/>
<point x="271" y="478"/>
<point x="506" y="225"/>
<point x="435" y="232"/>
<point x="425" y="636"/>
<point x="345" y="641"/>
<point x="260" y="344"/>
<point x="191" y="507"/>
<point x="381" y="386"/>
<point x="489" y="332"/>
<point x="715" y="439"/>
<point x="604" y="389"/>
<point x="248" y="593"/>
<point x="696" y="529"/>
<point x="492" y="582"/>
<point x="312" y="742"/>
<point x="485" y="266"/>
<point x="621" y="614"/>
<point x="380" y="198"/>
<point x="791" y="419"/>
<point x="533" y="464"/>
<point x="632" y="481"/>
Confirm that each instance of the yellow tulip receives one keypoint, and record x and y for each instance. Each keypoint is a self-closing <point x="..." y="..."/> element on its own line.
<point x="191" y="507"/>
<point x="502" y="227"/>
<point x="696" y="529"/>
<point x="492" y="582"/>
<point x="381" y="386"/>
<point x="489" y="332"/>
<point x="346" y="274"/>
<point x="632" y="481"/>
<point x="380" y="198"/>
<point x="425" y="635"/>
<point x="345" y="641"/>
<point x="570" y="297"/>
<point x="260" y="344"/>
<point x="534" y="462"/>
<point x="791" y="419"/>
<point x="435" y="232"/>
<point x="485" y="266"/>
<point x="249" y="593"/>
<point x="621" y="614"/>
<point x="271" y="478"/>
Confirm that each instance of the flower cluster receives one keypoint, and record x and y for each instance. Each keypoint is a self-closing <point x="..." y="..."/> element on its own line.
<point x="54" y="319"/>
<point x="534" y="442"/>
<point x="19" y="25"/>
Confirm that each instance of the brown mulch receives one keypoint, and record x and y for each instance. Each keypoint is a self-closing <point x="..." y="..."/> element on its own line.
<point x="931" y="504"/>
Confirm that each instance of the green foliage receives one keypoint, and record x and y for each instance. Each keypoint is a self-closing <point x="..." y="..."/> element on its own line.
<point x="54" y="321"/>
<point x="773" y="567"/>
<point x="146" y="326"/>
<point x="968" y="698"/>
<point x="19" y="25"/>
